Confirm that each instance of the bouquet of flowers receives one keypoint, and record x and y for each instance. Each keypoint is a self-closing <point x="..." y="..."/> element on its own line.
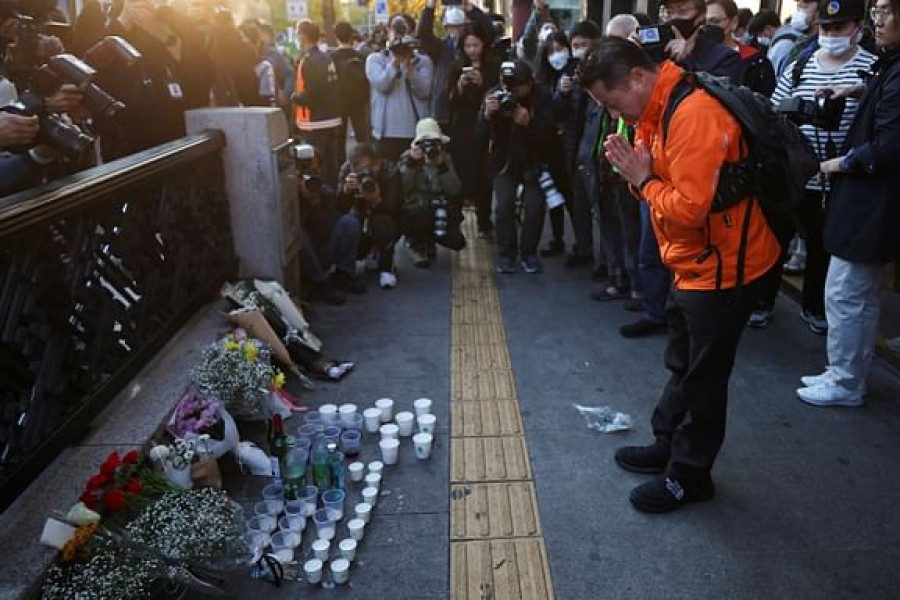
<point x="198" y="415"/>
<point x="176" y="539"/>
<point x="237" y="371"/>
<point x="122" y="482"/>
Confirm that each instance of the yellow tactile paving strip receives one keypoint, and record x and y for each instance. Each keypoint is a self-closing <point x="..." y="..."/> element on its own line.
<point x="497" y="551"/>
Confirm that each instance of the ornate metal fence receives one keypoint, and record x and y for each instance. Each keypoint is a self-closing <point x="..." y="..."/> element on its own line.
<point x="97" y="271"/>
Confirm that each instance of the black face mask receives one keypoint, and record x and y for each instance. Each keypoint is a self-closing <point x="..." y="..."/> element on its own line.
<point x="686" y="27"/>
<point x="713" y="33"/>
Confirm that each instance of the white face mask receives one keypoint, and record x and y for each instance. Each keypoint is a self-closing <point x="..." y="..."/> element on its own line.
<point x="764" y="41"/>
<point x="800" y="21"/>
<point x="323" y="47"/>
<point x="837" y="46"/>
<point x="558" y="60"/>
<point x="579" y="53"/>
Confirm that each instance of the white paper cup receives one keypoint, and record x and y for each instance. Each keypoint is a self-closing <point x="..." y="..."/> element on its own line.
<point x="329" y="414"/>
<point x="422" y="406"/>
<point x="405" y="422"/>
<point x="389" y="431"/>
<point x="426" y="423"/>
<point x="346" y="412"/>
<point x="372" y="419"/>
<point x="370" y="495"/>
<point x="357" y="529"/>
<point x="390" y="450"/>
<point x="340" y="570"/>
<point x="320" y="549"/>
<point x="376" y="466"/>
<point x="386" y="406"/>
<point x="313" y="570"/>
<point x="373" y="480"/>
<point x="363" y="511"/>
<point x="357" y="471"/>
<point x="348" y="548"/>
<point x="422" y="442"/>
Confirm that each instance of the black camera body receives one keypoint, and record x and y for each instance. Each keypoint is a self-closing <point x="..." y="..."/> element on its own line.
<point x="304" y="158"/>
<point x="54" y="132"/>
<point x="654" y="41"/>
<point x="822" y="112"/>
<point x="368" y="183"/>
<point x="508" y="102"/>
<point x="432" y="149"/>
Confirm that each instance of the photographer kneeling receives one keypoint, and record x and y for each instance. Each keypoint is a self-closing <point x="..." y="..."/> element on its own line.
<point x="431" y="189"/>
<point x="369" y="188"/>
<point x="518" y="119"/>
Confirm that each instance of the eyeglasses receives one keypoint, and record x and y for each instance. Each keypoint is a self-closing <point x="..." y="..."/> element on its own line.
<point x="880" y="14"/>
<point x="715" y="21"/>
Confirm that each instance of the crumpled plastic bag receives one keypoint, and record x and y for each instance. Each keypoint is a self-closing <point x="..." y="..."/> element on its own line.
<point x="604" y="419"/>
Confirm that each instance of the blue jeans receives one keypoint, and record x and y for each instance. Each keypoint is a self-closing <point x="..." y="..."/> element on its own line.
<point x="655" y="277"/>
<point x="341" y="248"/>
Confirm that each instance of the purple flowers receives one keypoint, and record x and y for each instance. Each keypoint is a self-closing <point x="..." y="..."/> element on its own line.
<point x="194" y="414"/>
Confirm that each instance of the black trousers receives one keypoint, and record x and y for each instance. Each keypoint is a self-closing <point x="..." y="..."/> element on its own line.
<point x="812" y="222"/>
<point x="380" y="233"/>
<point x="328" y="143"/>
<point x="704" y="331"/>
<point x="362" y="131"/>
<point x="391" y="148"/>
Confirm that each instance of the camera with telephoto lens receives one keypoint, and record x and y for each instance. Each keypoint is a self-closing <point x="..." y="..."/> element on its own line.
<point x="822" y="112"/>
<point x="441" y="217"/>
<point x="305" y="158"/>
<point x="552" y="195"/>
<point x="654" y="41"/>
<point x="432" y="149"/>
<point x="368" y="183"/>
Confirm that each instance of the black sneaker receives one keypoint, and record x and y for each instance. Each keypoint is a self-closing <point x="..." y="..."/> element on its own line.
<point x="641" y="328"/>
<point x="667" y="493"/>
<point x="644" y="459"/>
<point x="600" y="273"/>
<point x="553" y="248"/>
<point x="347" y="282"/>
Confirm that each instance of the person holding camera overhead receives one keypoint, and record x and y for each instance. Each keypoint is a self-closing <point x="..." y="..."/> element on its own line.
<point x="401" y="87"/>
<point x="517" y="119"/>
<point x="370" y="189"/>
<point x="803" y="94"/>
<point x="431" y="213"/>
<point x="470" y="78"/>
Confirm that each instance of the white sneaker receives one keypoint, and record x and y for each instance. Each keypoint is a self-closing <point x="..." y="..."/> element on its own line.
<point x="825" y="378"/>
<point x="830" y="395"/>
<point x="387" y="280"/>
<point x="796" y="264"/>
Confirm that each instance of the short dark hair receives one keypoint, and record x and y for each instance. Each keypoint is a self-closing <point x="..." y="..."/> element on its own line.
<point x="728" y="7"/>
<point x="745" y="15"/>
<point x="643" y="19"/>
<point x="362" y="151"/>
<point x="309" y="30"/>
<point x="610" y="60"/>
<point x="762" y="19"/>
<point x="343" y="31"/>
<point x="586" y="29"/>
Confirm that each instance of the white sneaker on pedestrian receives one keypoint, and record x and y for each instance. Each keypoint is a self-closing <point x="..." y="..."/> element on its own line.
<point x="796" y="264"/>
<point x="387" y="280"/>
<point x="830" y="395"/>
<point x="826" y="378"/>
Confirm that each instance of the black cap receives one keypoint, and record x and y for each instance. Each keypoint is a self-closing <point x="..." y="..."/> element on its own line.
<point x="838" y="11"/>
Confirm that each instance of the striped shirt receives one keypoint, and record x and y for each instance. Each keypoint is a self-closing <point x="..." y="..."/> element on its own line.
<point x="816" y="76"/>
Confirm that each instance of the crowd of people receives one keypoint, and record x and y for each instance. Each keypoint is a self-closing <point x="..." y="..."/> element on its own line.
<point x="602" y="129"/>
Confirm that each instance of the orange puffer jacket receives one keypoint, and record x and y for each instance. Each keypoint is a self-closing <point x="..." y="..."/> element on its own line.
<point x="701" y="137"/>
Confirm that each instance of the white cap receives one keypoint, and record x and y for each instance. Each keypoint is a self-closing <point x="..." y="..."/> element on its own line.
<point x="454" y="15"/>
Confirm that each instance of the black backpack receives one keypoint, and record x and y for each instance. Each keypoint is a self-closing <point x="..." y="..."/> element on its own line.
<point x="779" y="161"/>
<point x="352" y="80"/>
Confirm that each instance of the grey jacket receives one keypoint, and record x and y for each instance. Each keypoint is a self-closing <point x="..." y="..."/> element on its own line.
<point x="399" y="99"/>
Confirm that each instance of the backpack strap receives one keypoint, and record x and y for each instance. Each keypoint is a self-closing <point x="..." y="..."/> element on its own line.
<point x="797" y="71"/>
<point x="684" y="88"/>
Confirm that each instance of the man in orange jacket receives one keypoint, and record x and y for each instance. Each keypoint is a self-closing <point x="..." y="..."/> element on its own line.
<point x="677" y="172"/>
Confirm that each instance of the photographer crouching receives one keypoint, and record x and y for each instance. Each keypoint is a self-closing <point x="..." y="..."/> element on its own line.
<point x="518" y="120"/>
<point x="431" y="190"/>
<point x="331" y="232"/>
<point x="369" y="188"/>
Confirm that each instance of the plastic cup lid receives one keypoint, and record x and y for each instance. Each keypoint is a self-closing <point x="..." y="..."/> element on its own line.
<point x="313" y="564"/>
<point x="341" y="564"/>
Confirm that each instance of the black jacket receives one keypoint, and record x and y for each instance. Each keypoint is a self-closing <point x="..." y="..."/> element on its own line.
<point x="863" y="216"/>
<point x="521" y="151"/>
<point x="316" y="91"/>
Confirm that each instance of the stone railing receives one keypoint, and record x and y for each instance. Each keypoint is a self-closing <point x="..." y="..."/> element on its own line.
<point x="97" y="272"/>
